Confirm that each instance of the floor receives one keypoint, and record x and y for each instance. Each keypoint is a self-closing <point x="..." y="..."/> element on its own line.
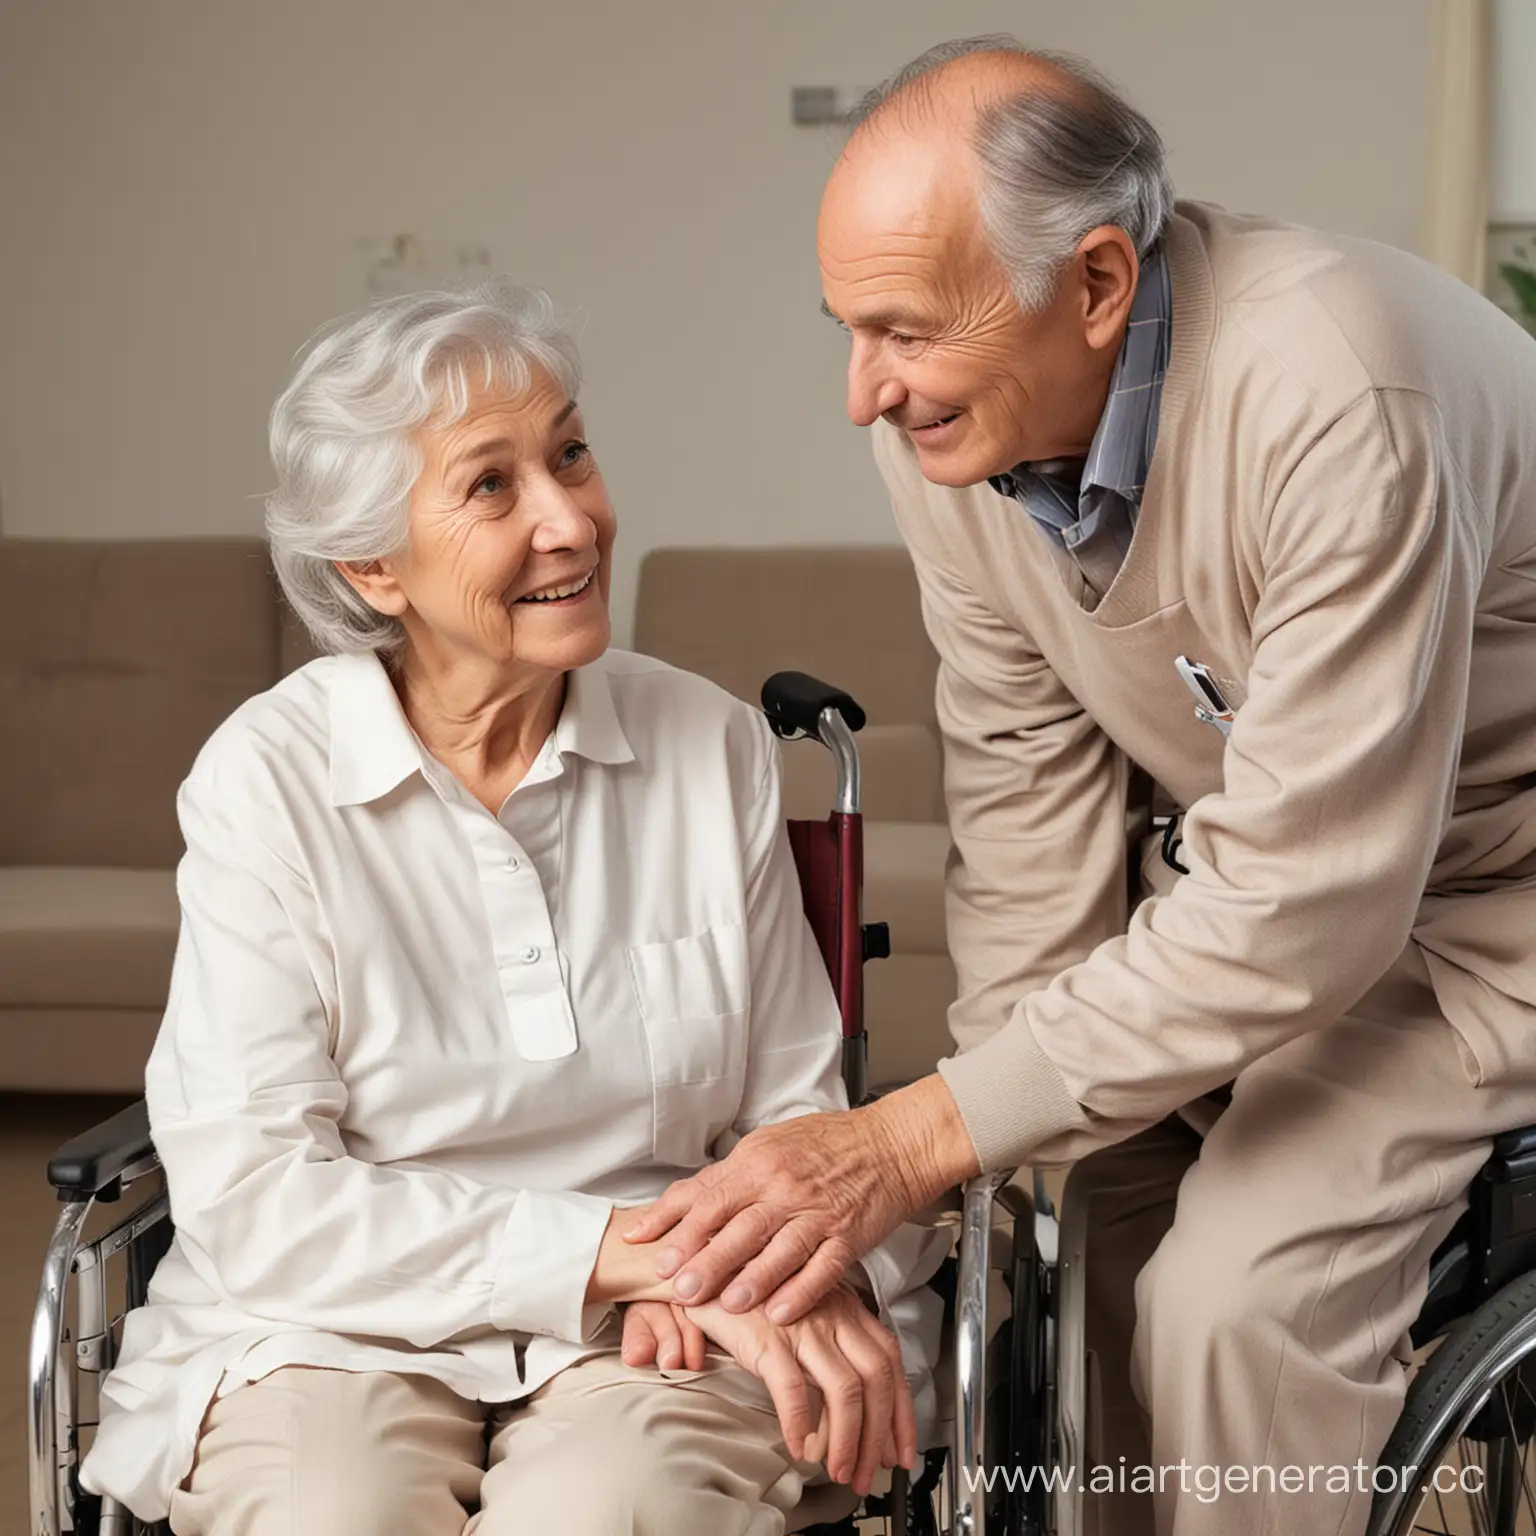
<point x="31" y="1127"/>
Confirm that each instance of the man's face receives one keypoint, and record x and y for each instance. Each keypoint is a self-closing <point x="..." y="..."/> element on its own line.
<point x="940" y="347"/>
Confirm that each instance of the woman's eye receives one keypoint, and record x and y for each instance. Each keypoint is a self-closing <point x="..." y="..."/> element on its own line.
<point x="490" y="485"/>
<point x="575" y="452"/>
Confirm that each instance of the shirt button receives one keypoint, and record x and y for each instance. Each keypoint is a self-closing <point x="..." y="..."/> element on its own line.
<point x="514" y="865"/>
<point x="531" y="954"/>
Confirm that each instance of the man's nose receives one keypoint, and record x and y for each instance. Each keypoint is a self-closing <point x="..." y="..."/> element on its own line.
<point x="872" y="389"/>
<point x="562" y="524"/>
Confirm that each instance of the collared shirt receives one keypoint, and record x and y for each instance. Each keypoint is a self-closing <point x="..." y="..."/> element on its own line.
<point x="414" y="1052"/>
<point x="1091" y="510"/>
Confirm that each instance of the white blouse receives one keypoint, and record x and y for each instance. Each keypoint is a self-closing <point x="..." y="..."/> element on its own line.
<point x="414" y="1053"/>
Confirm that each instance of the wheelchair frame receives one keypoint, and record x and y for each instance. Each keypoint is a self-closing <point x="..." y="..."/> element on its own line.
<point x="1040" y="1369"/>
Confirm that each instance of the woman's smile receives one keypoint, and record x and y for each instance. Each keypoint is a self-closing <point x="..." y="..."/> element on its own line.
<point x="562" y="594"/>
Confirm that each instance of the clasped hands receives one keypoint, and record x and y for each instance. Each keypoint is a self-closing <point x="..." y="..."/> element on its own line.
<point x="773" y="1231"/>
<point x="835" y="1377"/>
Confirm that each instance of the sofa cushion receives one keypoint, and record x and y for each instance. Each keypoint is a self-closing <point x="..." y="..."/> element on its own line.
<point x="901" y="775"/>
<point x="850" y="616"/>
<point x="904" y="883"/>
<point x="77" y="938"/>
<point x="117" y="661"/>
<point x="295" y="645"/>
<point x="906" y="1016"/>
<point x="76" y="1050"/>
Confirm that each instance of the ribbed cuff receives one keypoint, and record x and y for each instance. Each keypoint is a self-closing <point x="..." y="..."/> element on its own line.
<point x="547" y="1256"/>
<point x="1011" y="1096"/>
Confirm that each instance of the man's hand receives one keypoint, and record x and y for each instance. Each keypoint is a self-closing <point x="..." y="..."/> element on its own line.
<point x="662" y="1332"/>
<point x="842" y="1353"/>
<point x="806" y="1198"/>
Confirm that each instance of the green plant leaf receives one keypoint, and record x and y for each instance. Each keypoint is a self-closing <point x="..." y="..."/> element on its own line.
<point x="1522" y="282"/>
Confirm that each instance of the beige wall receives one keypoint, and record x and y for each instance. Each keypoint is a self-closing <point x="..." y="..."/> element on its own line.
<point x="1514" y="115"/>
<point x="185" y="189"/>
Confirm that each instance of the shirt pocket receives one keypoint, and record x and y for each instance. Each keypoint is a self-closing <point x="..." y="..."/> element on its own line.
<point x="693" y="997"/>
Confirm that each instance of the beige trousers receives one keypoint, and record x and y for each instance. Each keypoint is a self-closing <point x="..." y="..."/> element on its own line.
<point x="1250" y="1294"/>
<point x="601" y="1449"/>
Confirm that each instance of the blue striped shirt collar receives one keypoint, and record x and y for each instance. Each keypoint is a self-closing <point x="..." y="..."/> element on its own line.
<point x="1114" y="474"/>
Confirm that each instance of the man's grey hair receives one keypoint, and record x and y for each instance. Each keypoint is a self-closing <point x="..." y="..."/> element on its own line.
<point x="1055" y="162"/>
<point x="343" y="433"/>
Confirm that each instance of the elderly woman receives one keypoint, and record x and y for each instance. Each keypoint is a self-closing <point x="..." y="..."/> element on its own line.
<point x="489" y="933"/>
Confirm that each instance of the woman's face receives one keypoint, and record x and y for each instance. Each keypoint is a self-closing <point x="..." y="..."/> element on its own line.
<point x="510" y="536"/>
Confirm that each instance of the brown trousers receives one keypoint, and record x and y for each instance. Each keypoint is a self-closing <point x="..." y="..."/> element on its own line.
<point x="599" y="1449"/>
<point x="1250" y="1293"/>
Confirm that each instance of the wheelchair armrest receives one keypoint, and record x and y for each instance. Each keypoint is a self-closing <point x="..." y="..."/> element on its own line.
<point x="1514" y="1156"/>
<point x="95" y="1164"/>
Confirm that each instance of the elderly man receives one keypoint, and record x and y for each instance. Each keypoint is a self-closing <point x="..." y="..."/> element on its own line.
<point x="1120" y="436"/>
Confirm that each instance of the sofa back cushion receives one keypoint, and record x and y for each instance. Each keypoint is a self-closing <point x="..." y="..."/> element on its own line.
<point x="117" y="661"/>
<point x="901" y="774"/>
<point x="848" y="615"/>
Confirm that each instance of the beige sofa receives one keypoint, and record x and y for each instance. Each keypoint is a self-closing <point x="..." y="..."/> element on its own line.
<point x="116" y="662"/>
<point x="118" y="659"/>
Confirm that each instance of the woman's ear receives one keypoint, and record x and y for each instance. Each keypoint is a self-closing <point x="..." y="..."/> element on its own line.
<point x="1110" y="272"/>
<point x="376" y="583"/>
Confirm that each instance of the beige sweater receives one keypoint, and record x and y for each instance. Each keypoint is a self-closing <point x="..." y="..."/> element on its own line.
<point x="1341" y="521"/>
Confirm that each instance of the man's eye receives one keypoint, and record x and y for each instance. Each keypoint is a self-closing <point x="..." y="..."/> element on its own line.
<point x="492" y="484"/>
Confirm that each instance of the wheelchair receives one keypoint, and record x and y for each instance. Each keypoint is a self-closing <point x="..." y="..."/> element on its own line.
<point x="1013" y="1379"/>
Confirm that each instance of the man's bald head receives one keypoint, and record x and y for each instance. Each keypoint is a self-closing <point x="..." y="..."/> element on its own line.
<point x="950" y="89"/>
<point x="1048" y="147"/>
<point x="983" y="185"/>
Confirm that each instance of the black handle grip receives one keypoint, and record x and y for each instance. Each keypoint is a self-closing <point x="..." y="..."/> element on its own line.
<point x="794" y="701"/>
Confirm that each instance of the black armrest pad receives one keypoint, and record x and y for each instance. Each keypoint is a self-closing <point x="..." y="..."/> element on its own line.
<point x="86" y="1165"/>
<point x="1514" y="1156"/>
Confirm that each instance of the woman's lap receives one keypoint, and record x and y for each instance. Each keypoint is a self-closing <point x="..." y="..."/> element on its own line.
<point x="309" y="1451"/>
<point x="600" y="1448"/>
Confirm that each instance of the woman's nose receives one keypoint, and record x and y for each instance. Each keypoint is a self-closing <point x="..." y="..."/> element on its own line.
<point x="561" y="523"/>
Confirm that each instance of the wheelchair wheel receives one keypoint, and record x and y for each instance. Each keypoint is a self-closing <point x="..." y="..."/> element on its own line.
<point x="1460" y="1459"/>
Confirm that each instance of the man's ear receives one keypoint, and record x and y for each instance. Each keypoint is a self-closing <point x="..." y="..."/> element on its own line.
<point x="375" y="582"/>
<point x="1110" y="274"/>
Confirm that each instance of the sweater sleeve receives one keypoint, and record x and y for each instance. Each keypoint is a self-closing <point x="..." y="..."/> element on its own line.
<point x="1030" y="782"/>
<point x="1307" y="868"/>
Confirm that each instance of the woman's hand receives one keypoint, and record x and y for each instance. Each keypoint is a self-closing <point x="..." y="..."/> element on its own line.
<point x="864" y="1420"/>
<point x="662" y="1333"/>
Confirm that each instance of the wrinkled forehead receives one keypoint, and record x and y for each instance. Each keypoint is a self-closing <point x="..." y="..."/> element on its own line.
<point x="517" y="411"/>
<point x="897" y="184"/>
<point x="471" y="383"/>
<point x="900" y="219"/>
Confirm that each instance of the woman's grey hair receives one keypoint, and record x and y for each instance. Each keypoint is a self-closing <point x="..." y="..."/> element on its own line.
<point x="1055" y="162"/>
<point x="342" y="433"/>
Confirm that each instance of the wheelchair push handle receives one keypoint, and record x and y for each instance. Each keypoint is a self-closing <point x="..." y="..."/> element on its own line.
<point x="800" y="705"/>
<point x="795" y="702"/>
